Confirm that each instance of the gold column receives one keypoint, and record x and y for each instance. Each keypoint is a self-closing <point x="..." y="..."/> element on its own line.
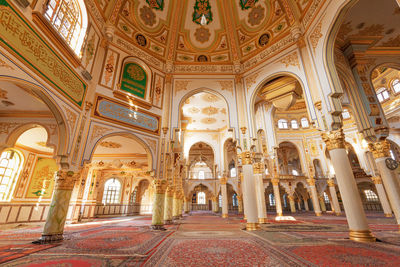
<point x="314" y="196"/>
<point x="292" y="204"/>
<point x="224" y="194"/>
<point x="277" y="196"/>
<point x="240" y="204"/>
<point x="322" y="203"/>
<point x="335" y="201"/>
<point x="54" y="227"/>
<point x="387" y="210"/>
<point x="249" y="196"/>
<point x="169" y="198"/>
<point x="358" y="225"/>
<point x="215" y="204"/>
<point x="176" y="205"/>
<point x="187" y="205"/>
<point x="381" y="152"/>
<point x="157" y="222"/>
<point x="258" y="169"/>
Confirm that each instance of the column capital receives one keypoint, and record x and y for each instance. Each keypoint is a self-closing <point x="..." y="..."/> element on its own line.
<point x="214" y="199"/>
<point x="377" y="180"/>
<point x="239" y="197"/>
<point x="65" y="180"/>
<point x="311" y="182"/>
<point x="160" y="186"/>
<point x="331" y="183"/>
<point x="291" y="198"/>
<point x="223" y="180"/>
<point x="170" y="191"/>
<point x="247" y="157"/>
<point x="258" y="168"/>
<point x="334" y="139"/>
<point x="380" y="149"/>
<point x="243" y="129"/>
<point x="275" y="181"/>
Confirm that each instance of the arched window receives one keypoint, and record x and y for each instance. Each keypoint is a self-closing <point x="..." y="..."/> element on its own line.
<point x="235" y="202"/>
<point x="10" y="165"/>
<point x="283" y="124"/>
<point x="69" y="19"/>
<point x="396" y="86"/>
<point x="346" y="114"/>
<point x="294" y="124"/>
<point x="295" y="173"/>
<point x="233" y="172"/>
<point x="371" y="196"/>
<point x="201" y="175"/>
<point x="304" y="123"/>
<point x="112" y="191"/>
<point x="201" y="198"/>
<point x="326" y="197"/>
<point x="382" y="94"/>
<point x="271" y="200"/>
<point x="284" y="200"/>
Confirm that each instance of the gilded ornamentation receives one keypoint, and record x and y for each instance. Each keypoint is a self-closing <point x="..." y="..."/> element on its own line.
<point x="275" y="181"/>
<point x="392" y="42"/>
<point x="160" y="186"/>
<point x="156" y="4"/>
<point x="194" y="110"/>
<point x="147" y="15"/>
<point x="243" y="129"/>
<point x="202" y="34"/>
<point x="226" y="85"/>
<point x="334" y="139"/>
<point x="223" y="180"/>
<point x="251" y="80"/>
<point x="331" y="183"/>
<point x="316" y="35"/>
<point x="210" y="98"/>
<point x="170" y="191"/>
<point x="380" y="149"/>
<point x="109" y="67"/>
<point x="5" y="65"/>
<point x="209" y="111"/>
<point x="208" y="120"/>
<point x="98" y="131"/>
<point x="5" y="127"/>
<point x="258" y="168"/>
<point x="202" y="8"/>
<point x="247" y="157"/>
<point x="246" y="4"/>
<point x="152" y="144"/>
<point x="377" y="180"/>
<point x="65" y="180"/>
<point x="291" y="60"/>
<point x="110" y="144"/>
<point x="181" y="86"/>
<point x="3" y="94"/>
<point x="256" y="15"/>
<point x="311" y="182"/>
<point x="71" y="117"/>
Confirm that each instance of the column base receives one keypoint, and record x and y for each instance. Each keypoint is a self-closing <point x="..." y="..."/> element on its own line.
<point x="244" y="217"/>
<point x="362" y="236"/>
<point x="168" y="222"/>
<point x="224" y="215"/>
<point x="186" y="212"/>
<point x="176" y="217"/>
<point x="252" y="226"/>
<point x="318" y="214"/>
<point x="338" y="213"/>
<point x="158" y="227"/>
<point x="262" y="220"/>
<point x="389" y="215"/>
<point x="49" y="239"/>
<point x="279" y="213"/>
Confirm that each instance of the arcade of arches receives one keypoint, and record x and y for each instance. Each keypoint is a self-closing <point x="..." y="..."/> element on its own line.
<point x="157" y="122"/>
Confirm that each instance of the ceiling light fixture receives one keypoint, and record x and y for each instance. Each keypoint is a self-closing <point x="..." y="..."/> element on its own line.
<point x="203" y="20"/>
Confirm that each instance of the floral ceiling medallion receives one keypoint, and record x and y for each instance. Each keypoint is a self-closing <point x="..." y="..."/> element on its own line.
<point x="256" y="15"/>
<point x="156" y="4"/>
<point x="202" y="34"/>
<point x="246" y="4"/>
<point x="202" y="9"/>
<point x="147" y="15"/>
<point x="208" y="120"/>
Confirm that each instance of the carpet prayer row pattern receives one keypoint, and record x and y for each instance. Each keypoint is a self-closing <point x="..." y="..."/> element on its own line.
<point x="205" y="240"/>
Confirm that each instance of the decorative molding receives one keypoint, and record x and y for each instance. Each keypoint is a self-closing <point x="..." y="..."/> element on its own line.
<point x="316" y="35"/>
<point x="291" y="60"/>
<point x="226" y="86"/>
<point x="5" y="65"/>
<point x="180" y="86"/>
<point x="251" y="80"/>
<point x="99" y="131"/>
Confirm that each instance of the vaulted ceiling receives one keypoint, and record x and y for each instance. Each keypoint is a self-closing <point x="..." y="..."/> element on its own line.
<point x="234" y="31"/>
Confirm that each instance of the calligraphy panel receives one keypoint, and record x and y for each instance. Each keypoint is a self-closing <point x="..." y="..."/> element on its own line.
<point x="134" y="79"/>
<point x="42" y="181"/>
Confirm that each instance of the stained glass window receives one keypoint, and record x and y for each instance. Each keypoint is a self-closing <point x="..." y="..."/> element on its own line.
<point x="112" y="191"/>
<point x="10" y="165"/>
<point x="370" y="195"/>
<point x="201" y="198"/>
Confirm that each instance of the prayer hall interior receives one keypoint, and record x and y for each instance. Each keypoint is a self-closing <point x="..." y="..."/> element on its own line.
<point x="199" y="133"/>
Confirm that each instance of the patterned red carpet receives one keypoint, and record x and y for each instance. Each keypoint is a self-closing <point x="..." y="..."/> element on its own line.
<point x="206" y="240"/>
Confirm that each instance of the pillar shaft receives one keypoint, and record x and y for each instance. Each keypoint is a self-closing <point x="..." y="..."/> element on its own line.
<point x="54" y="227"/>
<point x="261" y="208"/>
<point x="175" y="206"/>
<point x="168" y="207"/>
<point x="314" y="197"/>
<point x="240" y="204"/>
<point x="157" y="220"/>
<point x="215" y="205"/>
<point x="381" y="153"/>
<point x="358" y="225"/>
<point x="277" y="196"/>
<point x="322" y="203"/>
<point x="387" y="210"/>
<point x="249" y="194"/>
<point x="307" y="208"/>
<point x="335" y="202"/>
<point x="224" y="195"/>
<point x="292" y="204"/>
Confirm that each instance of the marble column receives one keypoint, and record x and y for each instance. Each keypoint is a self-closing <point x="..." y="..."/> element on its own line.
<point x="314" y="196"/>
<point x="224" y="194"/>
<point x="157" y="222"/>
<point x="358" y="225"/>
<point x="169" y="198"/>
<point x="176" y="205"/>
<point x="258" y="169"/>
<point x="181" y="200"/>
<point x="306" y="207"/>
<point x="240" y="204"/>
<point x="249" y="194"/>
<point x="277" y="196"/>
<point x="299" y="205"/>
<point x="54" y="227"/>
<point x="335" y="202"/>
<point x="381" y="152"/>
<point x="387" y="210"/>
<point x="292" y="204"/>
<point x="215" y="204"/>
<point x="322" y="203"/>
<point x="187" y="205"/>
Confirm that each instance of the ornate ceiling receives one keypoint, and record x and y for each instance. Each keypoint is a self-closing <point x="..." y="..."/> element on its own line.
<point x="204" y="111"/>
<point x="233" y="31"/>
